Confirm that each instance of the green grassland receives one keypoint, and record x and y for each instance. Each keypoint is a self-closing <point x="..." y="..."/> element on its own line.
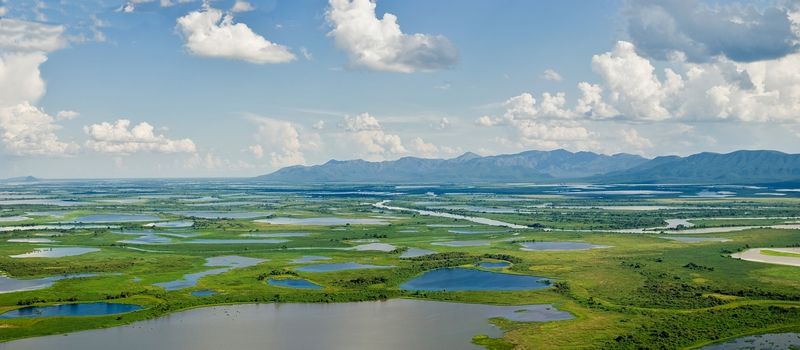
<point x="642" y="291"/>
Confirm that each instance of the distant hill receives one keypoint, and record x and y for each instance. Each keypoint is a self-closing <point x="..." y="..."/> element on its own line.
<point x="521" y="167"/>
<point x="21" y="179"/>
<point x="740" y="167"/>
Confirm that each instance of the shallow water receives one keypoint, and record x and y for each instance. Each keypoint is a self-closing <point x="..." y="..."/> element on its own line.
<point x="323" y="221"/>
<point x="203" y="293"/>
<point x="10" y="284"/>
<point x="339" y="267"/>
<point x="462" y="243"/>
<point x="172" y="224"/>
<point x="759" y="342"/>
<point x="13" y="218"/>
<point x="30" y="240"/>
<point x="293" y="283"/>
<point x="276" y="234"/>
<point x="369" y="325"/>
<point x="238" y="241"/>
<point x="227" y="262"/>
<point x="415" y="252"/>
<point x="222" y="214"/>
<point x="55" y="252"/>
<point x="475" y="219"/>
<point x="475" y="232"/>
<point x="381" y="247"/>
<point x="556" y="246"/>
<point x="84" y="309"/>
<point x="694" y="239"/>
<point x="459" y="278"/>
<point x="115" y="218"/>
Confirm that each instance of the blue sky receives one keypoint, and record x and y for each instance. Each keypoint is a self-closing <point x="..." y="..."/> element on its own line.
<point x="232" y="88"/>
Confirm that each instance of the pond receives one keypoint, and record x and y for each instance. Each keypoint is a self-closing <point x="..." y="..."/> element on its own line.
<point x="474" y="232"/>
<point x="172" y="224"/>
<point x="84" y="309"/>
<point x="228" y="262"/>
<point x="222" y="214"/>
<point x="13" y="218"/>
<point x="114" y="218"/>
<point x="30" y="240"/>
<point x="558" y="246"/>
<point x="415" y="252"/>
<point x="761" y="341"/>
<point x="381" y="247"/>
<point x="462" y="243"/>
<point x="293" y="283"/>
<point x="459" y="278"/>
<point x="378" y="325"/>
<point x="10" y="284"/>
<point x="55" y="252"/>
<point x="237" y="241"/>
<point x="339" y="267"/>
<point x="323" y="221"/>
<point x="695" y="239"/>
<point x="276" y="234"/>
<point x="475" y="219"/>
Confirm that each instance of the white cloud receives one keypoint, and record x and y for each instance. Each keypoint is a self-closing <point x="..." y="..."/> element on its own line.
<point x="122" y="138"/>
<point x="366" y="132"/>
<point x="18" y="35"/>
<point x="318" y="125"/>
<point x="281" y="141"/>
<point x="488" y="121"/>
<point x="211" y="33"/>
<point x="443" y="123"/>
<point x="379" y="44"/>
<point x="306" y="54"/>
<point x="27" y="130"/>
<point x="361" y="122"/>
<point x="551" y="75"/>
<point x="66" y="115"/>
<point x="242" y="6"/>
<point x="634" y="140"/>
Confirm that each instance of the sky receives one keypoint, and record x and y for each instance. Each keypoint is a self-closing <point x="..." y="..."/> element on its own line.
<point x="233" y="88"/>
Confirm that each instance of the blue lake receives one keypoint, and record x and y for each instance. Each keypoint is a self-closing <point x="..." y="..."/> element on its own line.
<point x="555" y="246"/>
<point x="462" y="243"/>
<point x="760" y="341"/>
<point x="115" y="218"/>
<point x="459" y="278"/>
<point x="339" y="267"/>
<point x="225" y="264"/>
<point x="293" y="283"/>
<point x="10" y="284"/>
<point x="85" y="309"/>
<point x="415" y="252"/>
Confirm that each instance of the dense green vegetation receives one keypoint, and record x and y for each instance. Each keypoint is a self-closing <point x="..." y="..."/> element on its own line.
<point x="641" y="291"/>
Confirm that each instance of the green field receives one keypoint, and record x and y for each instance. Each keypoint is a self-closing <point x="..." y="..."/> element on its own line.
<point x="641" y="291"/>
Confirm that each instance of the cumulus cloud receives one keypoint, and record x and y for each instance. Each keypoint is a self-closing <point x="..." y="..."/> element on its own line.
<point x="211" y="33"/>
<point x="551" y="75"/>
<point x="281" y="141"/>
<point x="123" y="138"/>
<point x="28" y="130"/>
<point x="634" y="140"/>
<point x="743" y="33"/>
<point x="66" y="115"/>
<point x="368" y="134"/>
<point x="242" y="6"/>
<point x="379" y="44"/>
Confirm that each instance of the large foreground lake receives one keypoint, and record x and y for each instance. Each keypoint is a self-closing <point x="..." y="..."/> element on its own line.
<point x="393" y="324"/>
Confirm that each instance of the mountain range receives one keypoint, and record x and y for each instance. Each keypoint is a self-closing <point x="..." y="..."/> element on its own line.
<point x="740" y="167"/>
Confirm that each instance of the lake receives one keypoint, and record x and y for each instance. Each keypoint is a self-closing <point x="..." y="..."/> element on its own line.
<point x="323" y="221"/>
<point x="459" y="278"/>
<point x="114" y="218"/>
<point x="557" y="246"/>
<point x="228" y="262"/>
<point x="761" y="341"/>
<point x="237" y="241"/>
<point x="462" y="243"/>
<point x="10" y="284"/>
<point x="339" y="267"/>
<point x="222" y="214"/>
<point x="55" y="252"/>
<point x="84" y="309"/>
<point x="277" y="234"/>
<point x="172" y="224"/>
<point x="293" y="283"/>
<point x="387" y="325"/>
<point x="415" y="252"/>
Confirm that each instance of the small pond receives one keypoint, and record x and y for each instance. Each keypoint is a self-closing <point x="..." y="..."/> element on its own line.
<point x="55" y="252"/>
<point x="84" y="309"/>
<point x="459" y="278"/>
<point x="293" y="283"/>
